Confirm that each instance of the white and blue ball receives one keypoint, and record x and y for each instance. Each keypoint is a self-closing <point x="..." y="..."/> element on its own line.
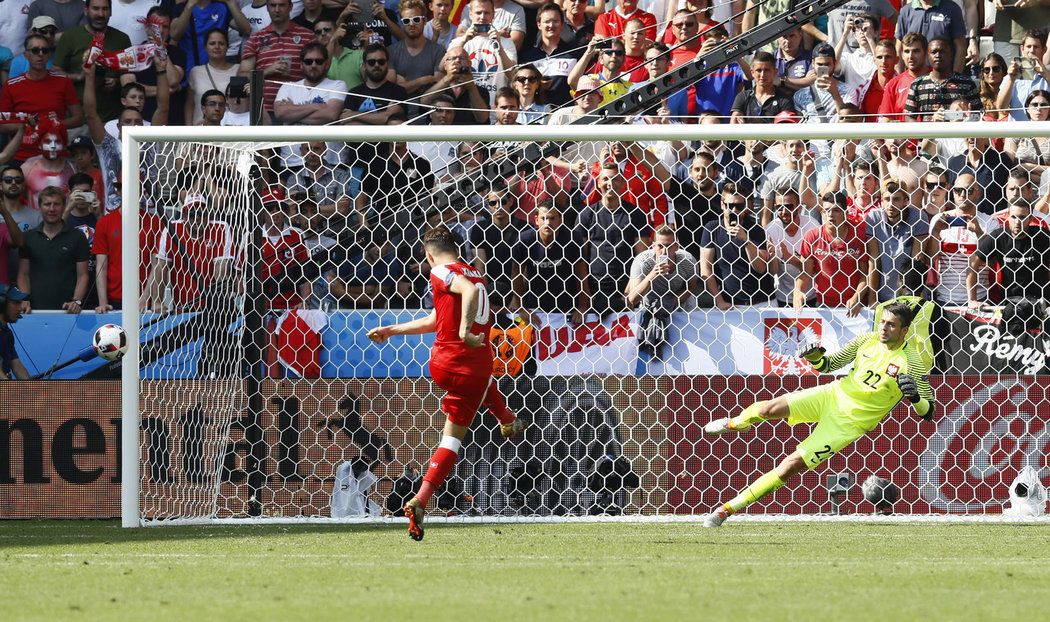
<point x="110" y="342"/>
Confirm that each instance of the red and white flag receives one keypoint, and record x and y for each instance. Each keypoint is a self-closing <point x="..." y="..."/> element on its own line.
<point x="299" y="341"/>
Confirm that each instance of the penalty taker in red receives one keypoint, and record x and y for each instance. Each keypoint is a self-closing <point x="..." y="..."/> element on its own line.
<point x="887" y="367"/>
<point x="460" y="361"/>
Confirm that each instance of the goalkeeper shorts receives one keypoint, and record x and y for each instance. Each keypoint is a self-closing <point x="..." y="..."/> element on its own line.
<point x="824" y="405"/>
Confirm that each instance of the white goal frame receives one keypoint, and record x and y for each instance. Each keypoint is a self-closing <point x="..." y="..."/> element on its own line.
<point x="134" y="137"/>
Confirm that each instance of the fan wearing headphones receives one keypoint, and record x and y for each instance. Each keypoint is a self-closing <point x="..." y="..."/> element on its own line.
<point x="11" y="299"/>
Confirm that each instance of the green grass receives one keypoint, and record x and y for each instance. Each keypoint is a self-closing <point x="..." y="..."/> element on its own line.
<point x="744" y="571"/>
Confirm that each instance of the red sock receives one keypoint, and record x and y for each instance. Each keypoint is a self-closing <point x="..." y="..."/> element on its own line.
<point x="440" y="466"/>
<point x="497" y="405"/>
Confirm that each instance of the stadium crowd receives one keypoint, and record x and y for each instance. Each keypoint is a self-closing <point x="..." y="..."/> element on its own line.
<point x="589" y="229"/>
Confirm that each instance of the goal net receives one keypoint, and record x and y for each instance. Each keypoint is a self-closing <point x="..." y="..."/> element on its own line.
<point x="644" y="279"/>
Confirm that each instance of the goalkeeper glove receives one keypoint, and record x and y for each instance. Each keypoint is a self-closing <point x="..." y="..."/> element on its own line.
<point x="908" y="387"/>
<point x="813" y="353"/>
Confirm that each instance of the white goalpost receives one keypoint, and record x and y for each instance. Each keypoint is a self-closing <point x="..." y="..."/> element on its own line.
<point x="255" y="260"/>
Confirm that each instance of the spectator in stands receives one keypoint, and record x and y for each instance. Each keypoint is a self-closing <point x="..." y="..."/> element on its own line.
<point x="324" y="30"/>
<point x="610" y="54"/>
<point x="579" y="26"/>
<point x="862" y="190"/>
<point x="1033" y="153"/>
<point x="176" y="65"/>
<point x="213" y="103"/>
<point x="797" y="172"/>
<point x="895" y="237"/>
<point x="129" y="17"/>
<point x="834" y="260"/>
<point x="549" y="269"/>
<point x="108" y="147"/>
<point x="492" y="55"/>
<point x="328" y="203"/>
<point x="913" y="53"/>
<point x="54" y="259"/>
<point x="697" y="200"/>
<point x="82" y="156"/>
<point x="345" y="48"/>
<point x="686" y="25"/>
<point x="237" y="107"/>
<point x="663" y="280"/>
<point x="44" y="26"/>
<point x="527" y="81"/>
<point x="792" y="61"/>
<point x="494" y="238"/>
<point x="275" y="50"/>
<point x="552" y="57"/>
<point x="954" y="236"/>
<point x="11" y="365"/>
<point x="611" y="231"/>
<point x="613" y="22"/>
<point x="214" y="74"/>
<point x="396" y="187"/>
<point x="313" y="12"/>
<point x="871" y="92"/>
<point x="132" y="95"/>
<point x="935" y="192"/>
<point x="63" y="15"/>
<point x="898" y="158"/>
<point x="11" y="237"/>
<point x="69" y="56"/>
<point x="439" y="29"/>
<point x="763" y="101"/>
<point x="733" y="260"/>
<point x="784" y="236"/>
<point x="314" y="100"/>
<point x="841" y="20"/>
<point x="83" y="208"/>
<point x="1019" y="185"/>
<point x="376" y="100"/>
<point x="440" y="154"/>
<point x="14" y="200"/>
<point x="470" y="104"/>
<point x="856" y="63"/>
<point x="41" y="92"/>
<point x="935" y="19"/>
<point x="508" y="18"/>
<point x="819" y="102"/>
<point x="989" y="167"/>
<point x="194" y="252"/>
<point x="645" y="176"/>
<point x="1020" y="252"/>
<point x="192" y="29"/>
<point x="415" y="59"/>
<point x="588" y="96"/>
<point x="993" y="74"/>
<point x="369" y="279"/>
<point x="940" y="87"/>
<point x="634" y="46"/>
<point x="715" y="93"/>
<point x="51" y="168"/>
<point x="1021" y="81"/>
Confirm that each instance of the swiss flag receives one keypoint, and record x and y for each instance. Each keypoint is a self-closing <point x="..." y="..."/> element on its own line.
<point x="299" y="341"/>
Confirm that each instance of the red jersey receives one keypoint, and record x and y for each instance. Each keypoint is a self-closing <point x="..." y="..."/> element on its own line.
<point x="268" y="46"/>
<point x="611" y="23"/>
<point x="279" y="253"/>
<point x="838" y="264"/>
<point x="201" y="251"/>
<point x="107" y="242"/>
<point x="895" y="95"/>
<point x="449" y="351"/>
<point x="54" y="93"/>
<point x="643" y="189"/>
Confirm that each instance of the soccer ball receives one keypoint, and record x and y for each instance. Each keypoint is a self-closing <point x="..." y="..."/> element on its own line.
<point x="110" y="342"/>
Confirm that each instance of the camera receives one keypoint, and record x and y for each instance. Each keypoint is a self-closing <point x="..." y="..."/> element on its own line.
<point x="482" y="28"/>
<point x="237" y="87"/>
<point x="954" y="115"/>
<point x="839" y="485"/>
<point x="858" y="22"/>
<point x="822" y="71"/>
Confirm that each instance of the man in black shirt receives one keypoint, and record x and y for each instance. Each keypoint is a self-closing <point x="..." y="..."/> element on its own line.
<point x="1021" y="253"/>
<point x="764" y="101"/>
<point x="11" y="299"/>
<point x="611" y="232"/>
<point x="493" y="238"/>
<point x="697" y="200"/>
<point x="733" y="257"/>
<point x="549" y="273"/>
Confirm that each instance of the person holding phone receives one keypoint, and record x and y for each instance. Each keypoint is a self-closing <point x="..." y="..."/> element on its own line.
<point x="733" y="257"/>
<point x="492" y="54"/>
<point x="820" y="101"/>
<point x="1025" y="74"/>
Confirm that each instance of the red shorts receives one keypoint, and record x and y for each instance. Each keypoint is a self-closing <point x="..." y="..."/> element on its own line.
<point x="464" y="393"/>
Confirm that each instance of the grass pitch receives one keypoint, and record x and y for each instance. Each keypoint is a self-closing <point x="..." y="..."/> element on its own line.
<point x="75" y="570"/>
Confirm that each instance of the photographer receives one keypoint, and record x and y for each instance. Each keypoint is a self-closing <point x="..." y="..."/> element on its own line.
<point x="471" y="107"/>
<point x="663" y="279"/>
<point x="492" y="55"/>
<point x="733" y="255"/>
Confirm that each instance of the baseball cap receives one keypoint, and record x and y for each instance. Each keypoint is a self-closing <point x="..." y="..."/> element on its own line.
<point x="43" y="21"/>
<point x="273" y="194"/>
<point x="787" y="116"/>
<point x="586" y="84"/>
<point x="194" y="199"/>
<point x="13" y="293"/>
<point x="81" y="142"/>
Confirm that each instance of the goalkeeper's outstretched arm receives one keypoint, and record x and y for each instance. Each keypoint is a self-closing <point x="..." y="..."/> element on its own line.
<point x="841" y="358"/>
<point x="915" y="385"/>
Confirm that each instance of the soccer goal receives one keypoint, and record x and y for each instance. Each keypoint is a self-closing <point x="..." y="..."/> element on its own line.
<point x="644" y="280"/>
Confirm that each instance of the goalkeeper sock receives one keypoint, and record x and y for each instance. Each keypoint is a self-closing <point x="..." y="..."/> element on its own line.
<point x="750" y="416"/>
<point x="497" y="405"/>
<point x="440" y="466"/>
<point x="760" y="488"/>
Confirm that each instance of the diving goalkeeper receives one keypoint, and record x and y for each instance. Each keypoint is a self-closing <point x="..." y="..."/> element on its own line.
<point x="886" y="368"/>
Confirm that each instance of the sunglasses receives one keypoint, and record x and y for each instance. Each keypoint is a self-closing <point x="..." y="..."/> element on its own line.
<point x="373" y="62"/>
<point x="322" y="30"/>
<point x="47" y="30"/>
<point x="960" y="190"/>
<point x="614" y="52"/>
<point x="782" y="206"/>
<point x="315" y="61"/>
<point x="933" y="185"/>
<point x="685" y="25"/>
<point x="14" y="180"/>
<point x="498" y="202"/>
<point x="735" y="205"/>
<point x="992" y="69"/>
<point x="417" y="19"/>
<point x="38" y="50"/>
<point x="526" y="79"/>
